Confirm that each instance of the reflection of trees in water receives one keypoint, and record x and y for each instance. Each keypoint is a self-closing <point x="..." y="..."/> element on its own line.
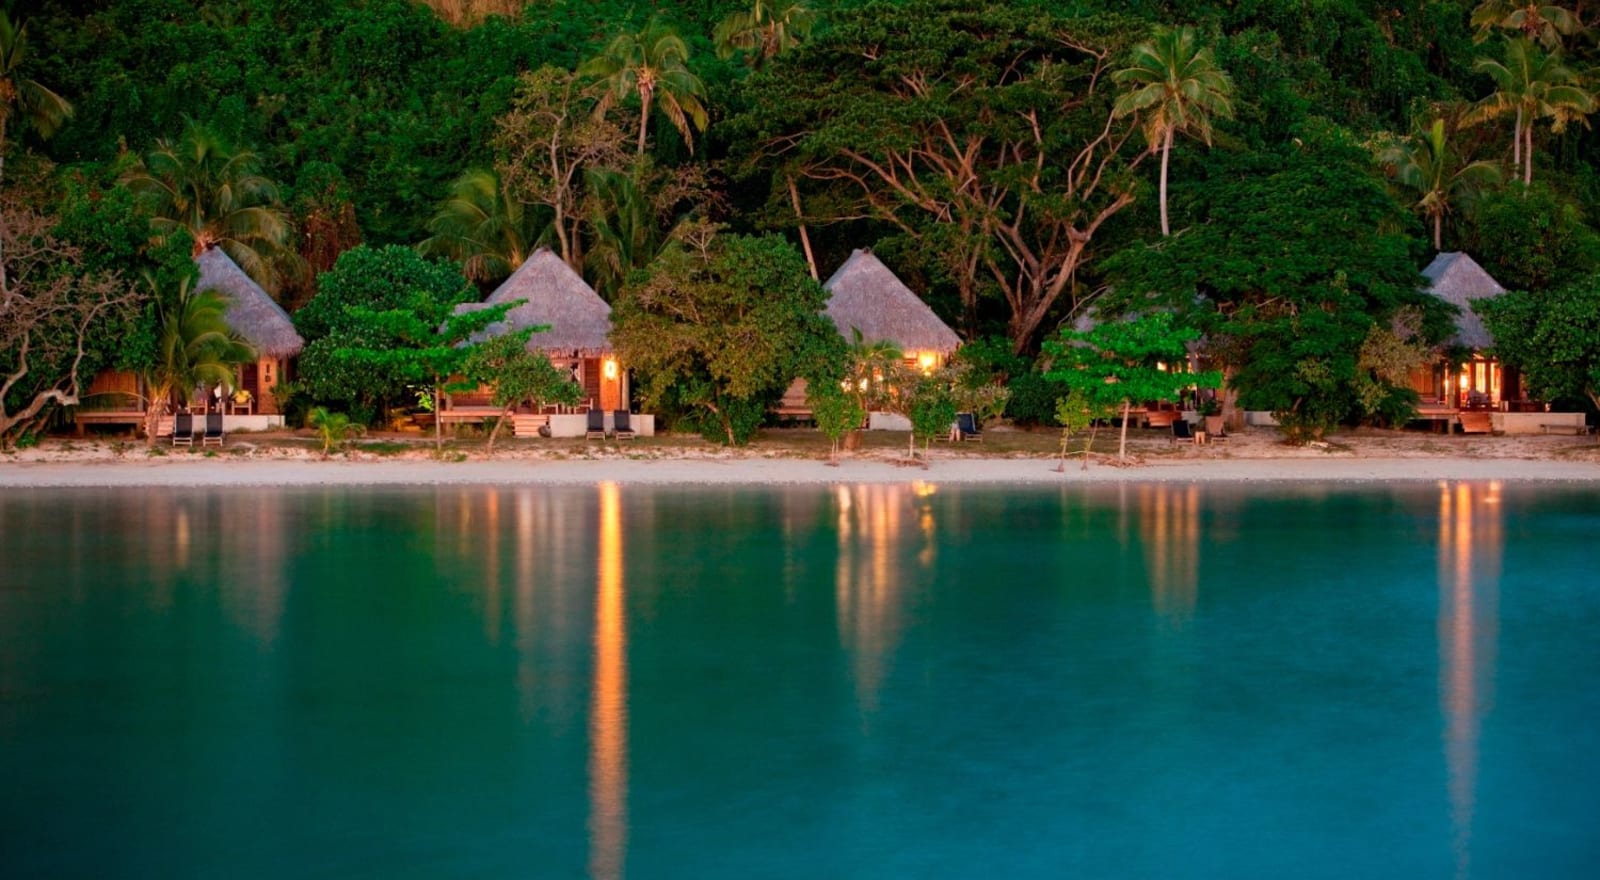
<point x="1471" y="548"/>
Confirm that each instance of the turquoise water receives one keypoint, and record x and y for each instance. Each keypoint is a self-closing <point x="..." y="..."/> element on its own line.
<point x="850" y="682"/>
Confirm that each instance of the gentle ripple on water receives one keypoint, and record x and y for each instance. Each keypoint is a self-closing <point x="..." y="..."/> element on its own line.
<point x="854" y="681"/>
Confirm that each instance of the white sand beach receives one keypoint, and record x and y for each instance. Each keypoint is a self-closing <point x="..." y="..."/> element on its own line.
<point x="1255" y="457"/>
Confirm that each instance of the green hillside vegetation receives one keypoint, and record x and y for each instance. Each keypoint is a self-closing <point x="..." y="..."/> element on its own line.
<point x="1271" y="173"/>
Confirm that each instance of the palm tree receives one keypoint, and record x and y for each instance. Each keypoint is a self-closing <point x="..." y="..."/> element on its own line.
<point x="652" y="64"/>
<point x="26" y="99"/>
<point x="480" y="227"/>
<point x="1534" y="85"/>
<point x="767" y="29"/>
<point x="194" y="347"/>
<point x="1426" y="164"/>
<point x="201" y="185"/>
<point x="1173" y="85"/>
<point x="333" y="428"/>
<point x="1545" y="22"/>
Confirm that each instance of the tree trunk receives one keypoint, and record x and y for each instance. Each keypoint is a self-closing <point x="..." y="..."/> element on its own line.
<point x="500" y="423"/>
<point x="1438" y="228"/>
<point x="1122" y="443"/>
<point x="1527" y="157"/>
<point x="1166" y="153"/>
<point x="644" y="116"/>
<point x="805" y="238"/>
<point x="438" y="429"/>
<point x="1516" y="140"/>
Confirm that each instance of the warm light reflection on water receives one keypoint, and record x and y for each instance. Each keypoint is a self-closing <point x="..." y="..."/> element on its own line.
<point x="1169" y="531"/>
<point x="608" y="719"/>
<point x="1471" y="545"/>
<point x="867" y="579"/>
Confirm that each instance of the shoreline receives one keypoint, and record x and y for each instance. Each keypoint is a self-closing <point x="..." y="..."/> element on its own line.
<point x="692" y="471"/>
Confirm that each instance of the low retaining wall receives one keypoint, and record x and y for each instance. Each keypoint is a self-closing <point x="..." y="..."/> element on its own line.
<point x="577" y="424"/>
<point x="1540" y="423"/>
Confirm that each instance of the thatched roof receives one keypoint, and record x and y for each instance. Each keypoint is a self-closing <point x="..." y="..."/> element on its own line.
<point x="555" y="295"/>
<point x="868" y="297"/>
<point x="1457" y="279"/>
<point x="252" y="313"/>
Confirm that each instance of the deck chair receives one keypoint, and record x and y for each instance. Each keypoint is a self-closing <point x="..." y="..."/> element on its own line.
<point x="967" y="427"/>
<point x="1181" y="431"/>
<point x="596" y="429"/>
<point x="619" y="425"/>
<point x="213" y="429"/>
<point x="183" y="429"/>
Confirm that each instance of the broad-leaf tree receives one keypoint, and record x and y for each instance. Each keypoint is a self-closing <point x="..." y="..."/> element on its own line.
<point x="518" y="376"/>
<point x="204" y="187"/>
<point x="1173" y="85"/>
<point x="1553" y="337"/>
<point x="1127" y="362"/>
<point x="53" y="311"/>
<point x="722" y="324"/>
<point x="546" y="145"/>
<point x="1296" y="258"/>
<point x="652" y="65"/>
<point x="985" y="133"/>
<point x="1427" y="165"/>
<point x="374" y="302"/>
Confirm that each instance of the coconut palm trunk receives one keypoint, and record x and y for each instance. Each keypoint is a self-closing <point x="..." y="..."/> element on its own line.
<point x="645" y="94"/>
<point x="1166" y="153"/>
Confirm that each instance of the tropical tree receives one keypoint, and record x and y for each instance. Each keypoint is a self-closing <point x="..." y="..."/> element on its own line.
<point x="1552" y="337"/>
<point x="837" y="413"/>
<point x="194" y="347"/>
<point x="548" y="144"/>
<point x="24" y="99"/>
<point x="722" y="325"/>
<point x="765" y="30"/>
<point x="1545" y="22"/>
<point x="1533" y="85"/>
<point x="333" y="428"/>
<point x="653" y="65"/>
<point x="518" y="376"/>
<point x="201" y="185"/>
<point x="1173" y="85"/>
<point x="1427" y="164"/>
<point x="483" y="229"/>
<point x="1128" y="362"/>
<point x="979" y="132"/>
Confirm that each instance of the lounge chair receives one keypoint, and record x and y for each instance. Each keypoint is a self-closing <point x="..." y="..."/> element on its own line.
<point x="1181" y="431"/>
<point x="213" y="429"/>
<point x="183" y="429"/>
<point x="619" y="425"/>
<point x="967" y="427"/>
<point x="596" y="429"/>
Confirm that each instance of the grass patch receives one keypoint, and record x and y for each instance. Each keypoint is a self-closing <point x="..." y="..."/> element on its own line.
<point x="385" y="447"/>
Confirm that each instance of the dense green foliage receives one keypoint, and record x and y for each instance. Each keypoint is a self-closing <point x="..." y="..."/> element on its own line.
<point x="1553" y="337"/>
<point x="723" y="324"/>
<point x="993" y="150"/>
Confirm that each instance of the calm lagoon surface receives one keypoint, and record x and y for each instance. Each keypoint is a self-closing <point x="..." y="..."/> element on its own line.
<point x="875" y="681"/>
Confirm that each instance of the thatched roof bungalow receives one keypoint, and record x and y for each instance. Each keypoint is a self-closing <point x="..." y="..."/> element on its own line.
<point x="1458" y="279"/>
<point x="1480" y="382"/>
<point x="252" y="313"/>
<point x="866" y="296"/>
<point x="579" y="321"/>
<point x="553" y="294"/>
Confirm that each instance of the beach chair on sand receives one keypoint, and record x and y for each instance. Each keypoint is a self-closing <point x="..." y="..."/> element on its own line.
<point x="967" y="427"/>
<point x="183" y="429"/>
<point x="213" y="429"/>
<point x="620" y="428"/>
<point x="1182" y="432"/>
<point x="596" y="429"/>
